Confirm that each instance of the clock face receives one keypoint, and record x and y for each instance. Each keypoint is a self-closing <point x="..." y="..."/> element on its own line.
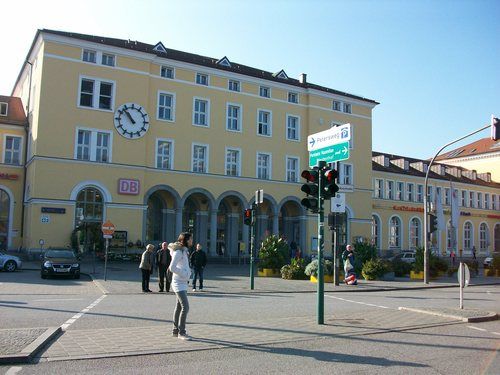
<point x="131" y="120"/>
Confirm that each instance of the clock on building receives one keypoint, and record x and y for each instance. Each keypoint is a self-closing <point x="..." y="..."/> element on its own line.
<point x="131" y="120"/>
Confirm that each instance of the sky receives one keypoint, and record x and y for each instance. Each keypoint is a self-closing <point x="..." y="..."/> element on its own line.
<point x="434" y="66"/>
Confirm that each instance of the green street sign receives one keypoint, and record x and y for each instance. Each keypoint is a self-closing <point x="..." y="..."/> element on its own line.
<point x="329" y="154"/>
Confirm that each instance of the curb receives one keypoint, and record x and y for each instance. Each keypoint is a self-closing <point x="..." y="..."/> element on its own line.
<point x="488" y="315"/>
<point x="30" y="351"/>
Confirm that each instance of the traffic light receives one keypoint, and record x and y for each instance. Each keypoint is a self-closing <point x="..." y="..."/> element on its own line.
<point x="247" y="216"/>
<point x="329" y="186"/>
<point x="433" y="223"/>
<point x="495" y="128"/>
<point x="311" y="189"/>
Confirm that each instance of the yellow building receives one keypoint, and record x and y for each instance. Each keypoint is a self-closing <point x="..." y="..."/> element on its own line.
<point x="159" y="141"/>
<point x="398" y="193"/>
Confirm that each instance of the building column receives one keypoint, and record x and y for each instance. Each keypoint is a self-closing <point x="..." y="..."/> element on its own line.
<point x="213" y="232"/>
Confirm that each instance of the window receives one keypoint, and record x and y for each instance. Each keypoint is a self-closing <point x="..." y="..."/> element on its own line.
<point x="467" y="236"/>
<point x="420" y="193"/>
<point x="89" y="206"/>
<point x="438" y="193"/>
<point x="167" y="72"/>
<point x="93" y="145"/>
<point x="379" y="188"/>
<point x="201" y="79"/>
<point x="292" y="128"/>
<point x="12" y="150"/>
<point x="483" y="237"/>
<point x="399" y="191"/>
<point x="89" y="56"/>
<point x="415" y="234"/>
<point x="201" y="114"/>
<point x="293" y="97"/>
<point x="336" y="105"/>
<point x="108" y="59"/>
<point x="463" y="200"/>
<point x="264" y="126"/>
<point x="409" y="192"/>
<point x="3" y="108"/>
<point x="447" y="196"/>
<point x="347" y="108"/>
<point x="164" y="153"/>
<point x="479" y="200"/>
<point x="96" y="94"/>
<point x="389" y="189"/>
<point x="449" y="236"/>
<point x="200" y="158"/>
<point x="233" y="117"/>
<point x="345" y="174"/>
<point x="263" y="166"/>
<point x="486" y="201"/>
<point x="493" y="202"/>
<point x="376" y="231"/>
<point x="430" y="194"/>
<point x="233" y="162"/>
<point x="471" y="199"/>
<point x="166" y="106"/>
<point x="395" y="232"/>
<point x="292" y="169"/>
<point x="234" y="85"/>
<point x="265" y="92"/>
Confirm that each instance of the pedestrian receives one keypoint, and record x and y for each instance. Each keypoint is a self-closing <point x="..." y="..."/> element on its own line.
<point x="146" y="267"/>
<point x="474" y="252"/>
<point x="163" y="260"/>
<point x="452" y="256"/>
<point x="198" y="262"/>
<point x="348" y="258"/>
<point x="180" y="278"/>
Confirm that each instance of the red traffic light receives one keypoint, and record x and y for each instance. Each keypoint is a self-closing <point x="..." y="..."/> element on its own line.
<point x="331" y="175"/>
<point x="310" y="175"/>
<point x="247" y="216"/>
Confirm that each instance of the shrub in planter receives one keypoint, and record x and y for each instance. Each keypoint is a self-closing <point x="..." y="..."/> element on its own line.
<point x="437" y="265"/>
<point x="418" y="266"/>
<point x="273" y="253"/>
<point x="375" y="269"/>
<point x="496" y="262"/>
<point x="452" y="270"/>
<point x="473" y="266"/>
<point x="312" y="268"/>
<point x="363" y="252"/>
<point x="401" y="268"/>
<point x="295" y="270"/>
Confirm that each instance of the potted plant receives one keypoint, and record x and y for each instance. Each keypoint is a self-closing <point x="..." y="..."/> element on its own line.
<point x="295" y="270"/>
<point x="494" y="269"/>
<point x="376" y="269"/>
<point x="418" y="267"/>
<point x="273" y="255"/>
<point x="312" y="271"/>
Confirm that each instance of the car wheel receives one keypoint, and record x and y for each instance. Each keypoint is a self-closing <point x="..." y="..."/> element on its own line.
<point x="10" y="266"/>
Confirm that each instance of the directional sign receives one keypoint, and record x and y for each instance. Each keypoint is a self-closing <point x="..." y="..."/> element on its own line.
<point x="338" y="203"/>
<point x="332" y="136"/>
<point x="329" y="154"/>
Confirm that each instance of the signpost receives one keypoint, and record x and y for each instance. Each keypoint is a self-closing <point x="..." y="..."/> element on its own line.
<point x="259" y="199"/>
<point x="108" y="229"/>
<point x="338" y="203"/>
<point x="463" y="280"/>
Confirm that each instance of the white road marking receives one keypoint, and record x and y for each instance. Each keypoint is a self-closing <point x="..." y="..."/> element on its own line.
<point x="484" y="330"/>
<point x="75" y="317"/>
<point x="57" y="299"/>
<point x="13" y="370"/>
<point x="360" y="303"/>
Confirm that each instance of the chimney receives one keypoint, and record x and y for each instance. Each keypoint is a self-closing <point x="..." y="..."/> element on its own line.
<point x="303" y="78"/>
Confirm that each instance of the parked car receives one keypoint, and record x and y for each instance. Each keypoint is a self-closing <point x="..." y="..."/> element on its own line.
<point x="488" y="261"/>
<point x="60" y="262"/>
<point x="10" y="263"/>
<point x="405" y="256"/>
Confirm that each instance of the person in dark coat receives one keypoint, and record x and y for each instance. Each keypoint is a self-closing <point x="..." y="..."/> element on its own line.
<point x="146" y="266"/>
<point x="348" y="258"/>
<point x="198" y="262"/>
<point x="163" y="260"/>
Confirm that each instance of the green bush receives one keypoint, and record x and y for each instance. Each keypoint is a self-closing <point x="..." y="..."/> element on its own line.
<point x="452" y="270"/>
<point x="418" y="266"/>
<point x="436" y="264"/>
<point x="401" y="268"/>
<point x="312" y="268"/>
<point x="496" y="262"/>
<point x="375" y="269"/>
<point x="295" y="270"/>
<point x="273" y="253"/>
<point x="363" y="252"/>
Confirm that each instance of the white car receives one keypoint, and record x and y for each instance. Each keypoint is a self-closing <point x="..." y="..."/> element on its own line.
<point x="10" y="263"/>
<point x="488" y="261"/>
<point x="406" y="256"/>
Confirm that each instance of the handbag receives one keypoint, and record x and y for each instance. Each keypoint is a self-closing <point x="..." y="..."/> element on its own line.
<point x="347" y="266"/>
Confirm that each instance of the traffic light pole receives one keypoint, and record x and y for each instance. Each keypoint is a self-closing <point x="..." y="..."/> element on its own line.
<point x="321" y="230"/>
<point x="252" y="248"/>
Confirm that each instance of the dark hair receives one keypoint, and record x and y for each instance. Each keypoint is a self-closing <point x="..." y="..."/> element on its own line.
<point x="183" y="238"/>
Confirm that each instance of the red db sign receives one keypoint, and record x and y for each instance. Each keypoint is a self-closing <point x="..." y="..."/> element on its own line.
<point x="128" y="186"/>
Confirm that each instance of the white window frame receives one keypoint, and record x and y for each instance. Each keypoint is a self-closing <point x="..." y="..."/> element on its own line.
<point x="447" y="196"/>
<point x="298" y="127"/>
<point x="494" y="204"/>
<point x="238" y="162"/>
<point x="93" y="144"/>
<point x="463" y="198"/>
<point x="270" y="167"/>
<point x="207" y="157"/>
<point x="96" y="93"/>
<point x="483" y="236"/>
<point x="346" y="178"/>
<point x="414" y="237"/>
<point x="471" y="200"/>
<point x="420" y="193"/>
<point x="4" y="108"/>
<point x="88" y="51"/>
<point x="172" y="109"/>
<point x="399" y="191"/>
<point x="261" y="88"/>
<point x="207" y="113"/>
<point x="293" y="97"/>
<point x="337" y="105"/>
<point x="239" y="118"/>
<point x="389" y="189"/>
<point x="468" y="239"/>
<point x="378" y="188"/>
<point x="170" y="155"/>
<point x="107" y="56"/>
<point x="487" y="205"/>
<point x="269" y="123"/>
<point x="200" y="75"/>
<point x="410" y="191"/>
<point x="167" y="68"/>
<point x="19" y="151"/>
<point x="234" y="85"/>
<point x="290" y="172"/>
<point x="479" y="200"/>
<point x="398" y="237"/>
<point x="347" y="107"/>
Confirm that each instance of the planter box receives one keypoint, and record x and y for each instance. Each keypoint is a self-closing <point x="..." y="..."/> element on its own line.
<point x="491" y="272"/>
<point x="416" y="275"/>
<point x="326" y="279"/>
<point x="268" y="272"/>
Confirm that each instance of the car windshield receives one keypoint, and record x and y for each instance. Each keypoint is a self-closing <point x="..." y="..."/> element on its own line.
<point x="60" y="254"/>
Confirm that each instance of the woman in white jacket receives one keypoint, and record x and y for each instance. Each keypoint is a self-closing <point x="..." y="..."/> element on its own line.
<point x="180" y="278"/>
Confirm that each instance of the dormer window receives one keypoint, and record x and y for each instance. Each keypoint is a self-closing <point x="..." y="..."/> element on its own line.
<point x="234" y="85"/>
<point x="108" y="59"/>
<point x="293" y="97"/>
<point x="89" y="56"/>
<point x="3" y="108"/>
<point x="201" y="79"/>
<point x="167" y="72"/>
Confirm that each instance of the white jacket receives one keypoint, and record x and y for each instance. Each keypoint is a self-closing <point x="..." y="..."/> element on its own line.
<point x="179" y="266"/>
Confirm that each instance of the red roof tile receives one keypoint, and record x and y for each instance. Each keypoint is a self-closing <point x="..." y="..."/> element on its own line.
<point x="15" y="111"/>
<point x="482" y="146"/>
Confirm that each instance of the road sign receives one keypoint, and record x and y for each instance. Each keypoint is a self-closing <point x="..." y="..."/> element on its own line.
<point x="108" y="228"/>
<point x="338" y="203"/>
<point x="463" y="275"/>
<point x="332" y="136"/>
<point x="259" y="196"/>
<point x="107" y="236"/>
<point x="329" y="154"/>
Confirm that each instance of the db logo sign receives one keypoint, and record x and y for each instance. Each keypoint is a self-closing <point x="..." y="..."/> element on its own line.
<point x="128" y="186"/>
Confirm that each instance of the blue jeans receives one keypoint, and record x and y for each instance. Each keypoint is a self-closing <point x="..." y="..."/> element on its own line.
<point x="198" y="272"/>
<point x="180" y="312"/>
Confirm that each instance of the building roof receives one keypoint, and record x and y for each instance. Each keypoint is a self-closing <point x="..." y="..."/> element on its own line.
<point x="482" y="146"/>
<point x="221" y="64"/>
<point x="15" y="111"/>
<point x="466" y="176"/>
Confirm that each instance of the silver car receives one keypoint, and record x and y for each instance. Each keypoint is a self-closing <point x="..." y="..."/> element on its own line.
<point x="10" y="263"/>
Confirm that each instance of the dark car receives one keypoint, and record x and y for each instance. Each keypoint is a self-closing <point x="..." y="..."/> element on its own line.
<point x="60" y="262"/>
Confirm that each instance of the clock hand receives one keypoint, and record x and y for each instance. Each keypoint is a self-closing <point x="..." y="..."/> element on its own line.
<point x="129" y="116"/>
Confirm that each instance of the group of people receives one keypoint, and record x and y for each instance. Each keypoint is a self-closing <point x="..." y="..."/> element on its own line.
<point x="175" y="264"/>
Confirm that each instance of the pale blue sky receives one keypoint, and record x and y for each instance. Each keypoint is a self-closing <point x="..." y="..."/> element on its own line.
<point x="433" y="65"/>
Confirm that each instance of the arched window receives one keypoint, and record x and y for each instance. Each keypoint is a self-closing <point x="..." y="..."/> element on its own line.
<point x="483" y="237"/>
<point x="4" y="219"/>
<point x="395" y="232"/>
<point x="376" y="231"/>
<point x="467" y="236"/>
<point x="89" y="206"/>
<point x="415" y="233"/>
